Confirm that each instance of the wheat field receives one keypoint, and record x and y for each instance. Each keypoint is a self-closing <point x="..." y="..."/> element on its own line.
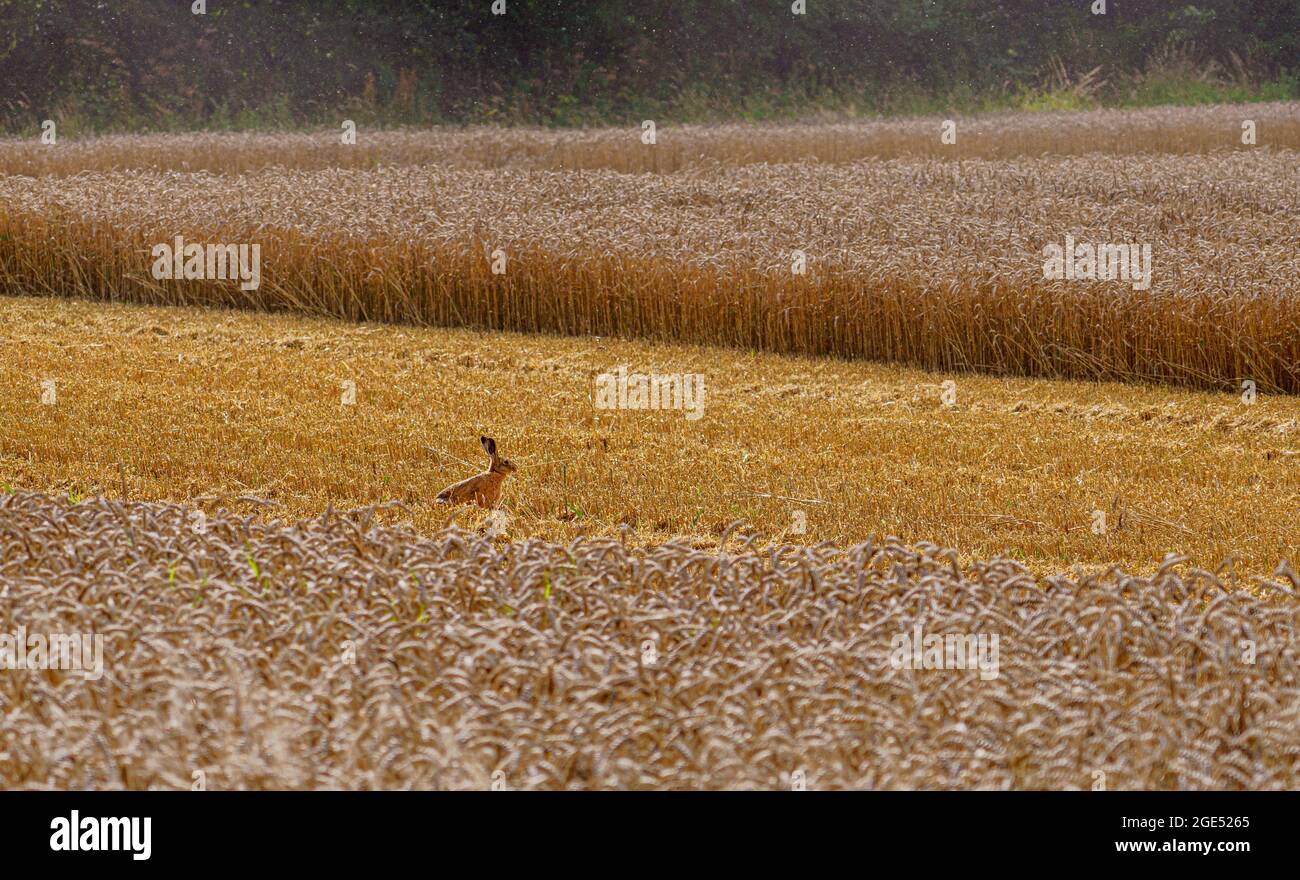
<point x="206" y="407"/>
<point x="932" y="263"/>
<point x="1008" y="135"/>
<point x="337" y="653"/>
<point x="903" y="426"/>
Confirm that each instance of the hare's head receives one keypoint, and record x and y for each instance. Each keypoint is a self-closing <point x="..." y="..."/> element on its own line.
<point x="499" y="465"/>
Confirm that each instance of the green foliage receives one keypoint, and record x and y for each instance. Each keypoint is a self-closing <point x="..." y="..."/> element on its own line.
<point x="137" y="64"/>
<point x="1043" y="100"/>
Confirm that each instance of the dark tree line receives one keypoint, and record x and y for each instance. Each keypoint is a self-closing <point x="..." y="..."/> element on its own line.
<point x="549" y="60"/>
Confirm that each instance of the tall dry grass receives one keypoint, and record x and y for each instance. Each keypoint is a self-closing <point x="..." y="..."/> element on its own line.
<point x="930" y="263"/>
<point x="1172" y="130"/>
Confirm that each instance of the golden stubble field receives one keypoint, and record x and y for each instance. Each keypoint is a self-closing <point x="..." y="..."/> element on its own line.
<point x="177" y="404"/>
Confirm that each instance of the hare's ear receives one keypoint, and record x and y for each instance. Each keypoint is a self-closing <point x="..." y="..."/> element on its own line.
<point x="489" y="445"/>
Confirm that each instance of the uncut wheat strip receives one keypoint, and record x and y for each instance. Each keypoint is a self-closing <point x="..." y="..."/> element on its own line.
<point x="368" y="272"/>
<point x="1181" y="130"/>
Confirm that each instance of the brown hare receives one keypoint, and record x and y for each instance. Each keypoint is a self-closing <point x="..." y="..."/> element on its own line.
<point x="483" y="489"/>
